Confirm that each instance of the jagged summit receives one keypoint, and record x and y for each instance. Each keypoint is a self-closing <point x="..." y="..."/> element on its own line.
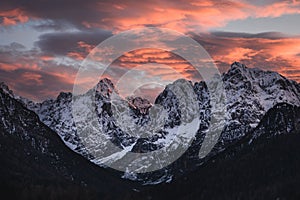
<point x="238" y="65"/>
<point x="3" y="85"/>
<point x="139" y="104"/>
<point x="6" y="89"/>
<point x="64" y="95"/>
<point x="266" y="78"/>
<point x="106" y="87"/>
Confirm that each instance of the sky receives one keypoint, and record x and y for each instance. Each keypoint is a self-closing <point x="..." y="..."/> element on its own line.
<point x="43" y="43"/>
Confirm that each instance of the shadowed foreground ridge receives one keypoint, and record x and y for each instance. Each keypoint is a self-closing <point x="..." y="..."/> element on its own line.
<point x="36" y="164"/>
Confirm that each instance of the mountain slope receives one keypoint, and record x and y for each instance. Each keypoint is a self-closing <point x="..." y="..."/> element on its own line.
<point x="37" y="164"/>
<point x="251" y="92"/>
<point x="264" y="167"/>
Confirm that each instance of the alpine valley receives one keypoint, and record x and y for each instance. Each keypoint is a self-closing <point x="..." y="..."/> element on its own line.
<point x="256" y="156"/>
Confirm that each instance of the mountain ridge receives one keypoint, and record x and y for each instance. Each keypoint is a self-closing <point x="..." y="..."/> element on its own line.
<point x="251" y="92"/>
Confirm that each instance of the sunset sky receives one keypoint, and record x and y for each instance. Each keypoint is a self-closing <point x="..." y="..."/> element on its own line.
<point x="42" y="43"/>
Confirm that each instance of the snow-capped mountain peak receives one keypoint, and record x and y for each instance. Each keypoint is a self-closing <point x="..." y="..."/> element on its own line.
<point x="139" y="104"/>
<point x="6" y="90"/>
<point x="64" y="95"/>
<point x="251" y="92"/>
<point x="105" y="87"/>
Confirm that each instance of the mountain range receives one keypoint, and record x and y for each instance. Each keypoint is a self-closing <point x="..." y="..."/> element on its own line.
<point x="40" y="145"/>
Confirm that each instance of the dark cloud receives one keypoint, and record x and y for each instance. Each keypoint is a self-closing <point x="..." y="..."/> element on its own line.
<point x="266" y="35"/>
<point x="11" y="47"/>
<point x="58" y="25"/>
<point x="71" y="11"/>
<point x="61" y="43"/>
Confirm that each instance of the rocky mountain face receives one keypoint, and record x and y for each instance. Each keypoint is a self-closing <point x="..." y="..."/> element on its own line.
<point x="250" y="93"/>
<point x="139" y="105"/>
<point x="262" y="165"/>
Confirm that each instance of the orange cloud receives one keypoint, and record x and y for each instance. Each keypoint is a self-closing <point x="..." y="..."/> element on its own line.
<point x="116" y="15"/>
<point x="30" y="76"/>
<point x="83" y="49"/>
<point x="76" y="55"/>
<point x="8" y="67"/>
<point x="238" y="53"/>
<point x="46" y="58"/>
<point x="184" y="16"/>
<point x="87" y="47"/>
<point x="279" y="54"/>
<point x="134" y="59"/>
<point x="14" y="66"/>
<point x="278" y="9"/>
<point x="13" y="17"/>
<point x="181" y="16"/>
<point x="276" y="54"/>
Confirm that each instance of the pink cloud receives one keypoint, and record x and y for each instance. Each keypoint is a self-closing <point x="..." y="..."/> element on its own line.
<point x="184" y="16"/>
<point x="13" y="17"/>
<point x="276" y="54"/>
<point x="278" y="9"/>
<point x="117" y="15"/>
<point x="83" y="49"/>
<point x="31" y="76"/>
